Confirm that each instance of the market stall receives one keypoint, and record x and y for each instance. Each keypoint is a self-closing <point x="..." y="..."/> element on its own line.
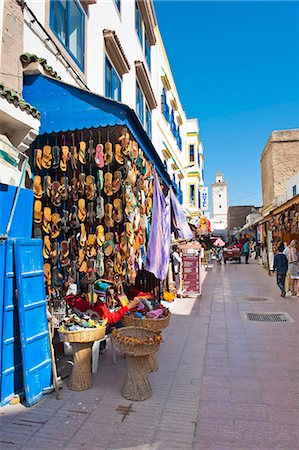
<point x="96" y="177"/>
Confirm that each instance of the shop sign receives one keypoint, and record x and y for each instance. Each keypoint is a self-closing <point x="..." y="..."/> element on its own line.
<point x="191" y="273"/>
<point x="204" y="198"/>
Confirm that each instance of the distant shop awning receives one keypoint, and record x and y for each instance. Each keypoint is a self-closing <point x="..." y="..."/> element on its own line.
<point x="67" y="108"/>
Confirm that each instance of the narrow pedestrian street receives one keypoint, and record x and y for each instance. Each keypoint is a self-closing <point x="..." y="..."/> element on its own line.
<point x="223" y="382"/>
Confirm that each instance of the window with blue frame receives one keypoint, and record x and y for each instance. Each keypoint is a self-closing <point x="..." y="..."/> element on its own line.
<point x="164" y="106"/>
<point x="117" y="2"/>
<point x="112" y="82"/>
<point x="67" y="21"/>
<point x="294" y="190"/>
<point x="148" y="121"/>
<point x="191" y="153"/>
<point x="192" y="195"/>
<point x="147" y="51"/>
<point x="139" y="103"/>
<point x="138" y="23"/>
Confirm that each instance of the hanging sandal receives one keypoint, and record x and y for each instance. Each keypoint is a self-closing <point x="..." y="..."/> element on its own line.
<point x="37" y="187"/>
<point x="123" y="245"/>
<point x="82" y="213"/>
<point x="81" y="188"/>
<point x="83" y="236"/>
<point x="117" y="211"/>
<point x="47" y="249"/>
<point x="74" y="221"/>
<point x="47" y="157"/>
<point x="148" y="171"/>
<point x="124" y="139"/>
<point x="100" y="180"/>
<point x="90" y="246"/>
<point x="116" y="182"/>
<point x="109" y="222"/>
<point x="47" y="274"/>
<point x="64" y="188"/>
<point x="108" y="184"/>
<point x="82" y="152"/>
<point x="65" y="221"/>
<point x="108" y="154"/>
<point x="90" y="151"/>
<point x="55" y="228"/>
<point x="38" y="158"/>
<point x="108" y="245"/>
<point x="55" y="253"/>
<point x="65" y="156"/>
<point x="100" y="262"/>
<point x="99" y="156"/>
<point x="100" y="235"/>
<point x="118" y="154"/>
<point x="90" y="189"/>
<point x="74" y="157"/>
<point x="55" y="194"/>
<point x="47" y="217"/>
<point x="55" y="157"/>
<point x="74" y="246"/>
<point x="81" y="261"/>
<point x="91" y="215"/>
<point x="64" y="255"/>
<point x="100" y="212"/>
<point x="47" y="185"/>
<point x="129" y="233"/>
<point x="74" y="189"/>
<point x="38" y="214"/>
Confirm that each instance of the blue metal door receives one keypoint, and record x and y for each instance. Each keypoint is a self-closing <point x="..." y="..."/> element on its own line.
<point x="11" y="374"/>
<point x="37" y="366"/>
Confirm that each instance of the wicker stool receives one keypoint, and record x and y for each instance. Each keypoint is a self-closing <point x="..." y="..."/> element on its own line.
<point x="82" y="342"/>
<point x="81" y="373"/>
<point x="156" y="325"/>
<point x="136" y="386"/>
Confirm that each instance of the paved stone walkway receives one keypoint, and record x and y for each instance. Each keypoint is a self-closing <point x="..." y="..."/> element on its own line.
<point x="223" y="383"/>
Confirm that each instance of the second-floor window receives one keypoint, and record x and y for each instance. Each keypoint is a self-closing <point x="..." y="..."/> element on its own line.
<point x="191" y="153"/>
<point x="140" y="103"/>
<point x="112" y="82"/>
<point x="67" y="21"/>
<point x="294" y="189"/>
<point x="147" y="51"/>
<point x="148" y="121"/>
<point x="117" y="2"/>
<point x="192" y="195"/>
<point x="138" y="23"/>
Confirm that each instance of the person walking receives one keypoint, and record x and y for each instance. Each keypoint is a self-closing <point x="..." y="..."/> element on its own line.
<point x="292" y="255"/>
<point x="281" y="268"/>
<point x="246" y="251"/>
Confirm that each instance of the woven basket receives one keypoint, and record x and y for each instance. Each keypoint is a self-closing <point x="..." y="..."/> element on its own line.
<point x="155" y="325"/>
<point x="86" y="335"/>
<point x="139" y="350"/>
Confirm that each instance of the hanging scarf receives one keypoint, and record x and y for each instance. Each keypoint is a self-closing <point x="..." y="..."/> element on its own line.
<point x="158" y="254"/>
<point x="179" y="220"/>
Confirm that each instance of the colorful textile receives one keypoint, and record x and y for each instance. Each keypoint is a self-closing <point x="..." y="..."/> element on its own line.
<point x="178" y="219"/>
<point x="75" y="301"/>
<point x="158" y="254"/>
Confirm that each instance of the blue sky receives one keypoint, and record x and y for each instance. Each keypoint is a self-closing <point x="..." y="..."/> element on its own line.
<point x="236" y="68"/>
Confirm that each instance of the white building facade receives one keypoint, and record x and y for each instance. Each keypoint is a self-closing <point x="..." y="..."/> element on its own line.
<point x="114" y="48"/>
<point x="219" y="204"/>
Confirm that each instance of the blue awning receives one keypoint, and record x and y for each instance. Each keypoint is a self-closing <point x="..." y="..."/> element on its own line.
<point x="67" y="108"/>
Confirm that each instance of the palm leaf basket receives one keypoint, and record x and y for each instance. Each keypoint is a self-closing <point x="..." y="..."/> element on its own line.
<point x="85" y="335"/>
<point x="145" y="342"/>
<point x="155" y="325"/>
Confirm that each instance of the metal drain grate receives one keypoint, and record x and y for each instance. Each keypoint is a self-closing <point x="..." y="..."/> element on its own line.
<point x="273" y="317"/>
<point x="256" y="299"/>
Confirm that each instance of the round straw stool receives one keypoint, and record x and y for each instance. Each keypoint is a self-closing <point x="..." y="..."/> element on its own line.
<point x="82" y="341"/>
<point x="137" y="386"/>
<point x="156" y="325"/>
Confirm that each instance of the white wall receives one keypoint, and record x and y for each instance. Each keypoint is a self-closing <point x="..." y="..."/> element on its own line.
<point x="294" y="181"/>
